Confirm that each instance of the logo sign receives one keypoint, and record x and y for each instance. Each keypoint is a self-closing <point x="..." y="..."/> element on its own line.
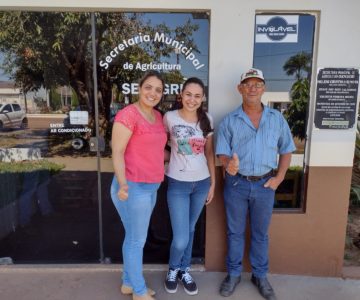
<point x="276" y="29"/>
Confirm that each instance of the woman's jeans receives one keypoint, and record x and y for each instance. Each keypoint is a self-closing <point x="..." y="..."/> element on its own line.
<point x="186" y="201"/>
<point x="242" y="197"/>
<point x="135" y="213"/>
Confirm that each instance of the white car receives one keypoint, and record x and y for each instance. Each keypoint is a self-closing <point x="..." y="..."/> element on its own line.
<point x="12" y="116"/>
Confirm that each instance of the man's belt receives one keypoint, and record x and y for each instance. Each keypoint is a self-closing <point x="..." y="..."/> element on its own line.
<point x="257" y="178"/>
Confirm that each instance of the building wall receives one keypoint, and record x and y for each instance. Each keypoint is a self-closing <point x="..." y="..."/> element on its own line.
<point x="309" y="242"/>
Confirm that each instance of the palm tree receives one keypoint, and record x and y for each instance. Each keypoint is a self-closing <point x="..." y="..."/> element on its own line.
<point x="297" y="64"/>
<point x="296" y="113"/>
<point x="300" y="66"/>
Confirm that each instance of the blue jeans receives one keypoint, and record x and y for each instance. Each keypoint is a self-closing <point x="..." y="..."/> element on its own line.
<point x="186" y="201"/>
<point x="242" y="196"/>
<point x="135" y="215"/>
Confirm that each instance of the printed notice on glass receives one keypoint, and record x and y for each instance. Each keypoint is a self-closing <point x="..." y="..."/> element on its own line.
<point x="336" y="98"/>
<point x="79" y="117"/>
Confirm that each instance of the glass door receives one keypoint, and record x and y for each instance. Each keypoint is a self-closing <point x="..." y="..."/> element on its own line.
<point x="129" y="45"/>
<point x="55" y="145"/>
<point x="48" y="172"/>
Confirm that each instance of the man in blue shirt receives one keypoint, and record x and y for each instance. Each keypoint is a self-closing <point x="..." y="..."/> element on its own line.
<point x="248" y="143"/>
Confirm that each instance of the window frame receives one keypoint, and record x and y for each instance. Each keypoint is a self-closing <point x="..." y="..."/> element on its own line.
<point x="310" y="108"/>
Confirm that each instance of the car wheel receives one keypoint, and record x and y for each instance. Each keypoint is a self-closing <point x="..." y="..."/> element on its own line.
<point x="24" y="124"/>
<point x="78" y="143"/>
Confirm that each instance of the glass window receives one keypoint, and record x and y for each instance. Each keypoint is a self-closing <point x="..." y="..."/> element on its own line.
<point x="283" y="50"/>
<point x="7" y="108"/>
<point x="175" y="44"/>
<point x="16" y="107"/>
<point x="48" y="166"/>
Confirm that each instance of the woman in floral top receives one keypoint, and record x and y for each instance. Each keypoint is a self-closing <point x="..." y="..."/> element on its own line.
<point x="191" y="178"/>
<point x="138" y="141"/>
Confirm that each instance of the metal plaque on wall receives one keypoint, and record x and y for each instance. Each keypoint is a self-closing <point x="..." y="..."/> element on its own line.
<point x="336" y="98"/>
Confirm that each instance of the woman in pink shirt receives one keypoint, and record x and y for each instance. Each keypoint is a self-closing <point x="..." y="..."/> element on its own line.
<point x="138" y="141"/>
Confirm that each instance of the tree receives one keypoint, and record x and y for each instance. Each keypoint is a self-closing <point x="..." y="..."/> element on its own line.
<point x="355" y="179"/>
<point x="296" y="115"/>
<point x="47" y="49"/>
<point x="298" y="64"/>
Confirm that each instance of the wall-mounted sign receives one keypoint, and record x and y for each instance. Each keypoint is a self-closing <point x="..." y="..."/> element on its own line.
<point x="79" y="117"/>
<point x="276" y="28"/>
<point x="336" y="98"/>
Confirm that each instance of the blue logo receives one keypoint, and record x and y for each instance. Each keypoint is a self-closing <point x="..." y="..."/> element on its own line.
<point x="276" y="29"/>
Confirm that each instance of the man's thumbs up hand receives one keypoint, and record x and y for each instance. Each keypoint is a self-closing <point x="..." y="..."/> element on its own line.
<point x="233" y="165"/>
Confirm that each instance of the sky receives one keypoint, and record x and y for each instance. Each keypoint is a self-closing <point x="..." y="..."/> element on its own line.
<point x="270" y="57"/>
<point x="201" y="37"/>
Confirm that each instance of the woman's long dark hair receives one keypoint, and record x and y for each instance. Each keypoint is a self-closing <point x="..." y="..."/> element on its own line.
<point x="203" y="119"/>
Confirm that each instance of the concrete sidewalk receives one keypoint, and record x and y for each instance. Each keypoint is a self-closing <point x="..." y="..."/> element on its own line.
<point x="102" y="282"/>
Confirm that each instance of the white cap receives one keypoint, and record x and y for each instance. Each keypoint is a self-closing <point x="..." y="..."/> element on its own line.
<point x="252" y="73"/>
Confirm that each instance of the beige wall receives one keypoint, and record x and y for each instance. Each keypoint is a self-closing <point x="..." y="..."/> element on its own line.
<point x="310" y="243"/>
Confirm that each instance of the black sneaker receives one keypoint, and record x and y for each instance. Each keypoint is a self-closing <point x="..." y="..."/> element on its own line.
<point x="171" y="281"/>
<point x="188" y="282"/>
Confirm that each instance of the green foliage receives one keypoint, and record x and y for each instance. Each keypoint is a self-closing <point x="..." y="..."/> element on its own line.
<point x="51" y="49"/>
<point x="74" y="100"/>
<point x="296" y="113"/>
<point x="55" y="100"/>
<point x="295" y="169"/>
<point x="348" y="244"/>
<point x="300" y="66"/>
<point x="12" y="176"/>
<point x="355" y="195"/>
<point x="30" y="166"/>
<point x="355" y="180"/>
